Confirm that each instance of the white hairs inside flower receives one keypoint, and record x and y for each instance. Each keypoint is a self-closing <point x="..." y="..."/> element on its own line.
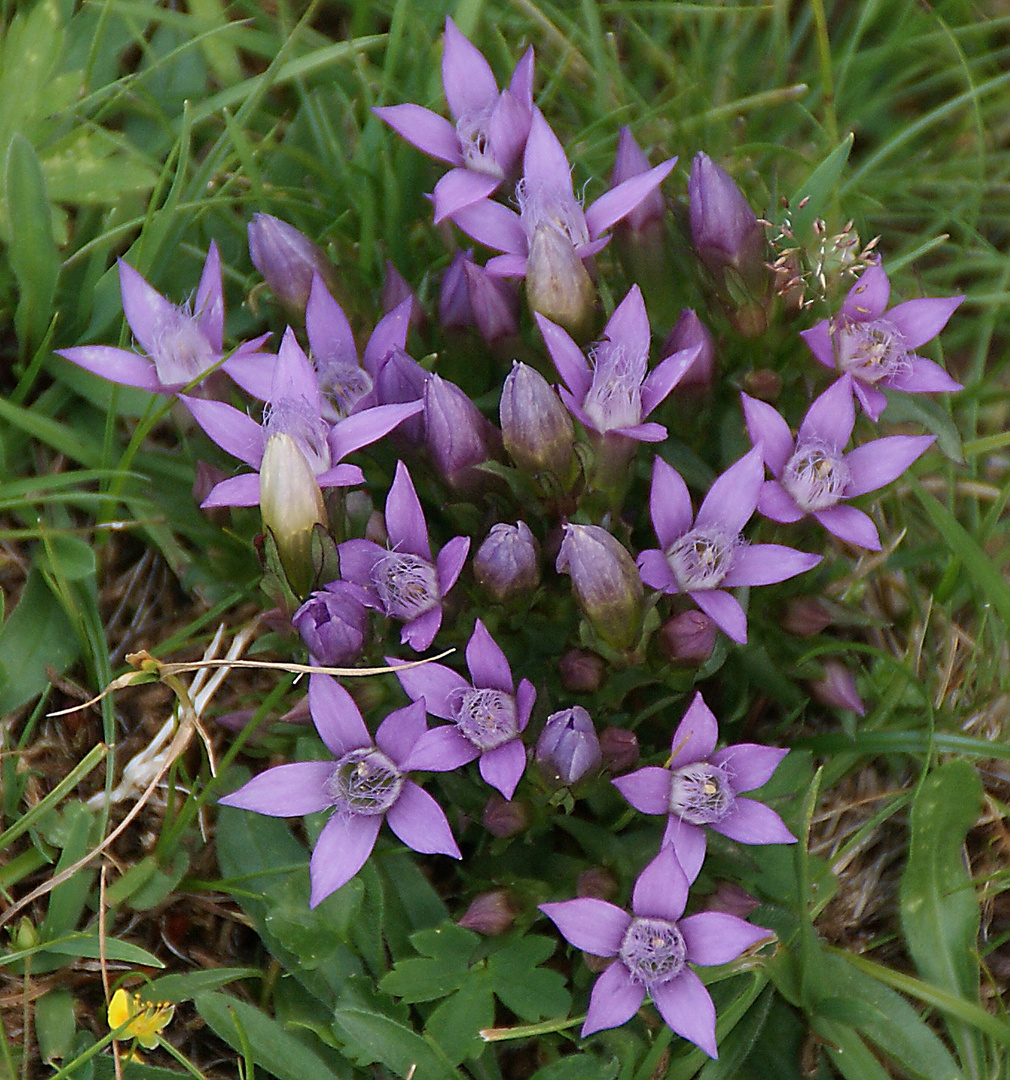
<point x="485" y="716"/>
<point x="296" y="417"/>
<point x="700" y="793"/>
<point x="701" y="558"/>
<point x="653" y="951"/>
<point x="871" y="351"/>
<point x="815" y="476"/>
<point x="614" y="399"/>
<point x="364" y="783"/>
<point x="406" y="584"/>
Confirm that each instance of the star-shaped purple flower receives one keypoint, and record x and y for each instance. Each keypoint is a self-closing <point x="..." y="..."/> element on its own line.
<point x="612" y="392"/>
<point x="706" y="556"/>
<point x="403" y="581"/>
<point x="547" y="201"/>
<point x="700" y="786"/>
<point x="651" y="948"/>
<point x="490" y="128"/>
<point x="813" y="474"/>
<point x="181" y="344"/>
<point x="294" y="408"/>
<point x="366" y="783"/>
<point x="489" y="714"/>
<point x="877" y="347"/>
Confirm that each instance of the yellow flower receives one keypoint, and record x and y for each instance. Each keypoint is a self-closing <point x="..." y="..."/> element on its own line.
<point x="145" y="1019"/>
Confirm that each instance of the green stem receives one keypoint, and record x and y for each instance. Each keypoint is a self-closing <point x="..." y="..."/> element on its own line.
<point x="827" y="79"/>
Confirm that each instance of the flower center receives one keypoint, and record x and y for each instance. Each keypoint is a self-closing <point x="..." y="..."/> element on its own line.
<point x="364" y="782"/>
<point x="406" y="584"/>
<point x="701" y="558"/>
<point x="182" y="352"/>
<point x="815" y="476"/>
<point x="296" y="417"/>
<point x="614" y="399"/>
<point x="553" y="207"/>
<point x="871" y="351"/>
<point x="700" y="793"/>
<point x="475" y="143"/>
<point x="343" y="386"/>
<point x="486" y="717"/>
<point x="653" y="951"/>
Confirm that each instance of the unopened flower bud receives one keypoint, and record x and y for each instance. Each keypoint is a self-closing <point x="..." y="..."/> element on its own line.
<point x="455" y="312"/>
<point x="688" y="638"/>
<point x="724" y="229"/>
<point x="597" y="882"/>
<point x="333" y="623"/>
<point x="806" y="616"/>
<point x="620" y="749"/>
<point x="630" y="161"/>
<point x="396" y="289"/>
<point x="568" y="748"/>
<point x="536" y="428"/>
<point x="581" y="671"/>
<point x="287" y="259"/>
<point x="605" y="581"/>
<point x="763" y="383"/>
<point x="495" y="303"/>
<point x="505" y="817"/>
<point x="490" y="913"/>
<point x="731" y="899"/>
<point x="507" y="564"/>
<point x="292" y="505"/>
<point x="689" y="331"/>
<point x="400" y="379"/>
<point x="457" y="434"/>
<point x="557" y="283"/>
<point x="837" y="688"/>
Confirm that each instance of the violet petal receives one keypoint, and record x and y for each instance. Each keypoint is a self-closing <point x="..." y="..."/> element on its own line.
<point x="684" y="1003"/>
<point x="568" y="358"/>
<point x="504" y="766"/>
<point x="655" y="571"/>
<point x="751" y="822"/>
<point x="401" y="729"/>
<point x="831" y="416"/>
<point x="116" y="365"/>
<point x="669" y="504"/>
<point x="460" y="188"/>
<point x="733" y="496"/>
<point x="340" y="852"/>
<point x="285" y="790"/>
<point x="867" y="299"/>
<point x="436" y="683"/>
<point x="766" y="564"/>
<point x="593" y="925"/>
<point x="877" y="463"/>
<point x="648" y="789"/>
<point x="689" y="843"/>
<point x="487" y="663"/>
<point x="441" y="749"/>
<point x="419" y="822"/>
<point x="450" y="562"/>
<point x="725" y="611"/>
<point x="850" y="525"/>
<point x="234" y="431"/>
<point x="776" y="504"/>
<point x="750" y="765"/>
<point x="715" y="937"/>
<point x="430" y="133"/>
<point x="419" y="633"/>
<point x="696" y="734"/>
<point x="661" y="889"/>
<point x="405" y="524"/>
<point x="614" y="1001"/>
<point x="619" y="201"/>
<point x="335" y="716"/>
<point x="919" y="321"/>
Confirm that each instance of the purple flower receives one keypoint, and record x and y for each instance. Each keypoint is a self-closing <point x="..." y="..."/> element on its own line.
<point x="294" y="408"/>
<point x="569" y="748"/>
<point x="489" y="713"/>
<point x="612" y="392"/>
<point x="287" y="259"/>
<point x="333" y="623"/>
<point x="490" y="127"/>
<point x="630" y="161"/>
<point x="724" y="229"/>
<point x="458" y="436"/>
<point x="402" y="581"/>
<point x="837" y="688"/>
<point x="180" y="344"/>
<point x="507" y="564"/>
<point x="470" y="296"/>
<point x="687" y="332"/>
<point x="706" y="556"/>
<point x="367" y="782"/>
<point x="813" y="474"/>
<point x="877" y="347"/>
<point x="547" y="202"/>
<point x="537" y="431"/>
<point x="651" y="948"/>
<point x="699" y="786"/>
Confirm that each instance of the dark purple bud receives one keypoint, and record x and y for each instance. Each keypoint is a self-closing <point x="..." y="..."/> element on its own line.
<point x="731" y="899"/>
<point x="287" y="259"/>
<point x="568" y="748"/>
<point x="455" y="311"/>
<point x="536" y="428"/>
<point x="806" y="616"/>
<point x="597" y="882"/>
<point x="333" y="623"/>
<point x="398" y="380"/>
<point x="495" y="303"/>
<point x="837" y="688"/>
<point x="505" y="817"/>
<point x="558" y="285"/>
<point x="457" y="434"/>
<point x="581" y="671"/>
<point x="724" y="229"/>
<point x="605" y="581"/>
<point x="630" y="161"/>
<point x="688" y="332"/>
<point x="619" y="748"/>
<point x="507" y="564"/>
<point x="396" y="289"/>
<point x="763" y="383"/>
<point x="491" y="913"/>
<point x="688" y="638"/>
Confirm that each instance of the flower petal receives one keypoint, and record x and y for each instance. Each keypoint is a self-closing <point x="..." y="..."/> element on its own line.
<point x="733" y="496"/>
<point x="419" y="633"/>
<point x="504" y="766"/>
<point x="628" y="327"/>
<point x="924" y="377"/>
<point x="401" y="729"/>
<point x="725" y="611"/>
<point x="660" y="382"/>
<point x="440" y="749"/>
<point x="592" y="925"/>
<point x="370" y="425"/>
<point x="877" y="463"/>
<point x="146" y="310"/>
<point x="390" y="333"/>
<point x="285" y="790"/>
<point x="493" y="225"/>
<point x="850" y="525"/>
<point x="405" y="524"/>
<point x="330" y="335"/>
<point x="776" y="504"/>
<point x="685" y="1005"/>
<point x="751" y="822"/>
<point x="818" y="339"/>
<point x="750" y="765"/>
<point x="688" y="842"/>
<point x="450" y="562"/>
<point x="469" y="82"/>
<point x="655" y="571"/>
<point x="243" y="490"/>
<point x="831" y="416"/>
<point x="669" y="504"/>
<point x="335" y="716"/>
<point x="767" y="427"/>
<point x="696" y="734"/>
<point x="208" y="304"/>
<point x="919" y="321"/>
<point x="234" y="431"/>
<point x="619" y="201"/>
<point x="870" y="398"/>
<point x="436" y="683"/>
<point x="343" y="475"/>
<point x="357" y="559"/>
<point x="545" y="165"/>
<point x="340" y="852"/>
<point x="614" y="1001"/>
<point x="641" y="432"/>
<point x="526" y="697"/>
<point x="868" y="298"/>
<point x="569" y="360"/>
<point x="460" y="188"/>
<point x="766" y="564"/>
<point x="715" y="937"/>
<point x="430" y="133"/>
<point x="487" y="663"/>
<point x="648" y="789"/>
<point x="116" y="365"/>
<point x="661" y="889"/>
<point x="419" y="822"/>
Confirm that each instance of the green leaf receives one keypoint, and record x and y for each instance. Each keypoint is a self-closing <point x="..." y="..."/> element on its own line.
<point x="531" y="992"/>
<point x="32" y="250"/>
<point x="818" y="188"/>
<point x="939" y="910"/>
<point x="932" y="415"/>
<point x="55" y="1024"/>
<point x="579" y="1067"/>
<point x="67" y="900"/>
<point x="456" y="1023"/>
<point x="177" y="988"/>
<point x="372" y="1036"/>
<point x="275" y="1049"/>
<point x="441" y="968"/>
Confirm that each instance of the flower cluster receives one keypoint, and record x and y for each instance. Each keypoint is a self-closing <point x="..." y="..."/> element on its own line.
<point x="554" y="479"/>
